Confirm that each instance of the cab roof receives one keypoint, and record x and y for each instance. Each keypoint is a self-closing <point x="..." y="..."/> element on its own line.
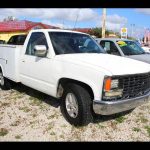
<point x="57" y="30"/>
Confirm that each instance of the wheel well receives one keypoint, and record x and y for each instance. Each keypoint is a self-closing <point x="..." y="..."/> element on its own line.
<point x="64" y="81"/>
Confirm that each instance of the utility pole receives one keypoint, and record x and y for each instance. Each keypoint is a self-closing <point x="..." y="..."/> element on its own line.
<point x="132" y="25"/>
<point x="103" y="22"/>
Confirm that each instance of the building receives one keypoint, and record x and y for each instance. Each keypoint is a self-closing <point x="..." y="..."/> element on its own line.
<point x="147" y="37"/>
<point x="10" y="28"/>
<point x="111" y="35"/>
<point x="84" y="30"/>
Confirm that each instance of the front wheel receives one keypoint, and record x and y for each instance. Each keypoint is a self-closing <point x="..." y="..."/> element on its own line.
<point x="76" y="105"/>
<point x="4" y="83"/>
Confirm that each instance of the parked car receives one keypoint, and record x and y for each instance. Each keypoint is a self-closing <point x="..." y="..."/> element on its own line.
<point x="124" y="48"/>
<point x="72" y="67"/>
<point x="17" y="39"/>
<point x="2" y="41"/>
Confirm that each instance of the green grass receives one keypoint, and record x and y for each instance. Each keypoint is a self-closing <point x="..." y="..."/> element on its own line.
<point x="148" y="130"/>
<point x="52" y="133"/>
<point x="120" y="119"/>
<point x="35" y="101"/>
<point x="16" y="123"/>
<point x="136" y="129"/>
<point x="25" y="109"/>
<point x="3" y="132"/>
<point x="64" y="126"/>
<point x="18" y="136"/>
<point x="50" y="126"/>
<point x="100" y="126"/>
<point x="5" y="104"/>
<point x="34" y="115"/>
<point x="17" y="95"/>
<point x="62" y="136"/>
<point x="51" y="117"/>
<point x="143" y="119"/>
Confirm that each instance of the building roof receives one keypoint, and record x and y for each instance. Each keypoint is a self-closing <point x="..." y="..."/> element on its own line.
<point x="24" y="25"/>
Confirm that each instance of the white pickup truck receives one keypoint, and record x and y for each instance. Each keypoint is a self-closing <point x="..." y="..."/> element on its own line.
<point x="71" y="66"/>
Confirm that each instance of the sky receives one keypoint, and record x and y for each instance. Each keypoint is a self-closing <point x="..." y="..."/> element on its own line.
<point x="136" y="20"/>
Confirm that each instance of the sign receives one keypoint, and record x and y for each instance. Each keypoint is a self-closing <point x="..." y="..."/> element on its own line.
<point x="121" y="43"/>
<point x="124" y="33"/>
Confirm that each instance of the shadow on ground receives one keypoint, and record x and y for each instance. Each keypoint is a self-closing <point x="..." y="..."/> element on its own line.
<point x="56" y="103"/>
<point x="36" y="94"/>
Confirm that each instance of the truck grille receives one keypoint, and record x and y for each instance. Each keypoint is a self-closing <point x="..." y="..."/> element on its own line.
<point x="134" y="85"/>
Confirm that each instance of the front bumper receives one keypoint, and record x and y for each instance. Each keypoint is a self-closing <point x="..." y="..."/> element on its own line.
<point x="109" y="108"/>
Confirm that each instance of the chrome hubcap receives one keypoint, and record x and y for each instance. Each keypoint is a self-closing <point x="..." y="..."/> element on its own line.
<point x="1" y="79"/>
<point x="71" y="105"/>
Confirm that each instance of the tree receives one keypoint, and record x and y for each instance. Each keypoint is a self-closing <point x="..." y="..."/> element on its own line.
<point x="9" y="18"/>
<point x="98" y="32"/>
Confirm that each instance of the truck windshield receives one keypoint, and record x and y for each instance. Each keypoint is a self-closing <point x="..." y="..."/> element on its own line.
<point x="69" y="43"/>
<point x="130" y="48"/>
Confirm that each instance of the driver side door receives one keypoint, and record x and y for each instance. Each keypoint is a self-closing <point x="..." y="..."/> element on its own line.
<point x="35" y="71"/>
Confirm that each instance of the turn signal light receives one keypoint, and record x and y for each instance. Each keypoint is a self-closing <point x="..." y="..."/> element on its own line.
<point x="107" y="84"/>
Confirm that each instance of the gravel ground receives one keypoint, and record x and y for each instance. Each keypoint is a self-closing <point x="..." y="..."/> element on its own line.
<point x="28" y="115"/>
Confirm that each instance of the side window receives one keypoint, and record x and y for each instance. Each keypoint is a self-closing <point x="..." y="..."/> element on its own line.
<point x="114" y="49"/>
<point x="36" y="38"/>
<point x="102" y="43"/>
<point x="21" y="39"/>
<point x="12" y="40"/>
<point x="110" y="47"/>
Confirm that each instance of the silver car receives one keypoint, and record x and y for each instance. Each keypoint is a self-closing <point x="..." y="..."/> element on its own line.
<point x="125" y="48"/>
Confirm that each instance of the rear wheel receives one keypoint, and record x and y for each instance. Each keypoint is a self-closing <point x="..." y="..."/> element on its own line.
<point x="4" y="83"/>
<point x="76" y="105"/>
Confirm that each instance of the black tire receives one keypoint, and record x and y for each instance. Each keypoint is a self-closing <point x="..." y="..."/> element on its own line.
<point x="4" y="82"/>
<point x="84" y="103"/>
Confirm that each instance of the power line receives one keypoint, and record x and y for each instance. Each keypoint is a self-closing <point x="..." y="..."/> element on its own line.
<point x="76" y="19"/>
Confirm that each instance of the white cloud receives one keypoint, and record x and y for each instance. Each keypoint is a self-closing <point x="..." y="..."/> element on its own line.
<point x="45" y="14"/>
<point x="114" y="22"/>
<point x="60" y="25"/>
<point x="143" y="10"/>
<point x="116" y="19"/>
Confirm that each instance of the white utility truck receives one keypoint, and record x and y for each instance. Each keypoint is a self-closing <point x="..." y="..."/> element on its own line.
<point x="71" y="66"/>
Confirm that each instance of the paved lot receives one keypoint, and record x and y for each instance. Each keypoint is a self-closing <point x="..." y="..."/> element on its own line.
<point x="28" y="115"/>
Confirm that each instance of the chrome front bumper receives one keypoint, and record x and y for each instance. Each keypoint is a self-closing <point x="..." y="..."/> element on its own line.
<point x="109" y="108"/>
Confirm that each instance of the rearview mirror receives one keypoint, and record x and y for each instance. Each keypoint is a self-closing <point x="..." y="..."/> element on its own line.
<point x="40" y="50"/>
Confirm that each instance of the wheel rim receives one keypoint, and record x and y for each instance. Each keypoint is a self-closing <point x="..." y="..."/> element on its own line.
<point x="71" y="105"/>
<point x="1" y="80"/>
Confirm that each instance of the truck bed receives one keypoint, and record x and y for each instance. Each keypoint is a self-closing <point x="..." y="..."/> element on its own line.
<point x="9" y="59"/>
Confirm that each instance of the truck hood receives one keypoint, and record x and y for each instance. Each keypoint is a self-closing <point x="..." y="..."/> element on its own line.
<point x="116" y="65"/>
<point x="143" y="57"/>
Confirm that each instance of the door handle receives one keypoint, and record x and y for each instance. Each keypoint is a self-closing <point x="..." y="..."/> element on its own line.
<point x="23" y="60"/>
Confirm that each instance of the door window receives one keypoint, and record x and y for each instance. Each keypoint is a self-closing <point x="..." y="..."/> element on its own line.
<point x="37" y="38"/>
<point x="110" y="47"/>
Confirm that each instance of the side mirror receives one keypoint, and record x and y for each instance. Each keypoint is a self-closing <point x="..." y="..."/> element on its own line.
<point x="105" y="49"/>
<point x="40" y="50"/>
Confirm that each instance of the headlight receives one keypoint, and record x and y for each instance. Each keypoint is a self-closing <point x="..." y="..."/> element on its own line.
<point x="114" y="84"/>
<point x="111" y="89"/>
